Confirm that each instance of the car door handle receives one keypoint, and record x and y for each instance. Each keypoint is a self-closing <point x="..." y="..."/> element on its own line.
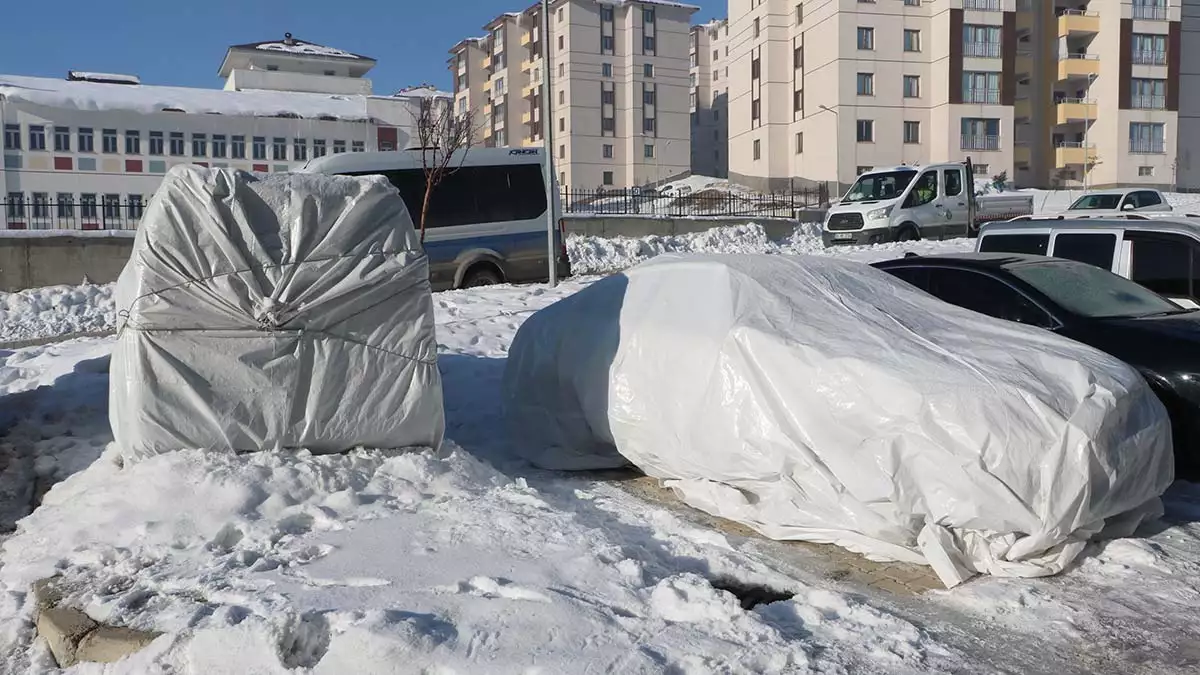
<point x="938" y="205"/>
<point x="962" y="203"/>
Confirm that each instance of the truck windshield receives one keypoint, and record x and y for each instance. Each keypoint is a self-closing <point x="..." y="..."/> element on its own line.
<point x="1092" y="292"/>
<point x="876" y="186"/>
<point x="1102" y="202"/>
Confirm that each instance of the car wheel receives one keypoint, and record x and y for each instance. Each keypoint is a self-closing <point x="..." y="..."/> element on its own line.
<point x="482" y="275"/>
<point x="908" y="233"/>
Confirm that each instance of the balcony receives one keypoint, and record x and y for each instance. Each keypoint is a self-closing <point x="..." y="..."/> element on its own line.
<point x="527" y="117"/>
<point x="1076" y="110"/>
<point x="1078" y="22"/>
<point x="1149" y="58"/>
<point x="980" y="143"/>
<point x="1024" y="62"/>
<point x="982" y="5"/>
<point x="1071" y="154"/>
<point x="984" y="96"/>
<point x="1022" y="152"/>
<point x="1150" y="13"/>
<point x="529" y="90"/>
<point x="526" y="38"/>
<point x="981" y="50"/>
<point x="1022" y="109"/>
<point x="486" y="63"/>
<point x="1071" y="66"/>
<point x="526" y="65"/>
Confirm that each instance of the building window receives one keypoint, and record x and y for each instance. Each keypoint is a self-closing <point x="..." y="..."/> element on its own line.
<point x="865" y="131"/>
<point x="866" y="38"/>
<point x="41" y="206"/>
<point x="562" y="43"/>
<point x="755" y="109"/>
<point x="62" y="139"/>
<point x="357" y="146"/>
<point x="176" y="144"/>
<point x="562" y="152"/>
<point x="799" y="14"/>
<point x="133" y="142"/>
<point x="37" y="137"/>
<point x="1150" y="10"/>
<point x="608" y="97"/>
<point x="606" y="46"/>
<point x="799" y="143"/>
<point x="797" y="101"/>
<point x="980" y="134"/>
<point x="606" y="14"/>
<point x="12" y="136"/>
<point x="608" y="152"/>
<point x="757" y="149"/>
<point x="648" y="69"/>
<point x="219" y="146"/>
<point x="1146" y="138"/>
<point x="757" y="27"/>
<point x="86" y="143"/>
<point x="259" y="147"/>
<point x="648" y="151"/>
<point x="562" y="70"/>
<point x="912" y="86"/>
<point x="300" y="149"/>
<point x="798" y="58"/>
<point x="608" y="178"/>
<point x="912" y="40"/>
<point x="136" y="206"/>
<point x="560" y="15"/>
<point x="339" y="147"/>
<point x="981" y="41"/>
<point x="319" y="147"/>
<point x="111" y="205"/>
<point x="16" y="205"/>
<point x="108" y="141"/>
<point x="156" y="143"/>
<point x="648" y="125"/>
<point x="866" y="84"/>
<point x="1149" y="50"/>
<point x="647" y="15"/>
<point x="562" y="97"/>
<point x="981" y="87"/>
<point x="562" y="124"/>
<point x="608" y="125"/>
<point x="65" y="205"/>
<point x="279" y="149"/>
<point x="87" y="206"/>
<point x="982" y="169"/>
<point x="1148" y="94"/>
<point x="648" y="42"/>
<point x="649" y="96"/>
<point x="755" y="68"/>
<point x="199" y="145"/>
<point x="606" y="70"/>
<point x="912" y="132"/>
<point x="1145" y="171"/>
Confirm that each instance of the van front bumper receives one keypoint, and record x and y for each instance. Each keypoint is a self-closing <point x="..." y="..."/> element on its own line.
<point x="856" y="237"/>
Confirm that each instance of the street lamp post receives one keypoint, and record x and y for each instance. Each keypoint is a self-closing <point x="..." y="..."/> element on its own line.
<point x="1087" y="122"/>
<point x="837" y="146"/>
<point x="552" y="195"/>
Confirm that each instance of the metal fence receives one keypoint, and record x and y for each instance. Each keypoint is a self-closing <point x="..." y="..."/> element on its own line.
<point x="26" y="214"/>
<point x="709" y="202"/>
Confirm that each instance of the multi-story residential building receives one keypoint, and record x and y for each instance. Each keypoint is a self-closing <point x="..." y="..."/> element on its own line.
<point x="710" y="99"/>
<point x="618" y="95"/>
<point x="1037" y="90"/>
<point x="87" y="151"/>
<point x="470" y="78"/>
<point x="502" y="111"/>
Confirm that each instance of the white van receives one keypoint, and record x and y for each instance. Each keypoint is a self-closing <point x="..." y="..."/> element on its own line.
<point x="906" y="203"/>
<point x="487" y="218"/>
<point x="1160" y="253"/>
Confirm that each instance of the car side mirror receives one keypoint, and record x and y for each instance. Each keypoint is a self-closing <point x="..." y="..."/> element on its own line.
<point x="1127" y="207"/>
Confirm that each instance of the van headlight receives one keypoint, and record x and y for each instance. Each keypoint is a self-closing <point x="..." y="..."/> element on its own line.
<point x="879" y="214"/>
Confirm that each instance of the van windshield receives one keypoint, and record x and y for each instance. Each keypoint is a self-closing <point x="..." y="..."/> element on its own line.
<point x="1103" y="202"/>
<point x="877" y="186"/>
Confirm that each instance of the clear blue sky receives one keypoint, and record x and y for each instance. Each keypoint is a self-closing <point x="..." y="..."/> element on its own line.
<point x="181" y="42"/>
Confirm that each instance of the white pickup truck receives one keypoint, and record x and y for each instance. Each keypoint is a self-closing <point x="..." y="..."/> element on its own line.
<point x="1118" y="201"/>
<point x="907" y="203"/>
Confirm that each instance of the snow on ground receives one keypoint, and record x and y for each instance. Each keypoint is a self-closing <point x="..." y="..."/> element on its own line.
<point x="55" y="310"/>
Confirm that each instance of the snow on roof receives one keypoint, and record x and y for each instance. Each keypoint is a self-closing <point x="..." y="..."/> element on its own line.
<point x="109" y="78"/>
<point x="665" y="3"/>
<point x="424" y="91"/>
<point x="291" y="45"/>
<point x="81" y="95"/>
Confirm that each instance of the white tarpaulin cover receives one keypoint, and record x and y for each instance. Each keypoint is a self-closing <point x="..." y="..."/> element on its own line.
<point x="819" y="399"/>
<point x="283" y="311"/>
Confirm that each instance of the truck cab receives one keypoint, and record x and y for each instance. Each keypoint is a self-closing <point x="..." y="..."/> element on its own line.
<point x="903" y="203"/>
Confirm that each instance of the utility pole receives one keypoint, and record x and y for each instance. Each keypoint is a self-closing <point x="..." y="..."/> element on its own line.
<point x="552" y="194"/>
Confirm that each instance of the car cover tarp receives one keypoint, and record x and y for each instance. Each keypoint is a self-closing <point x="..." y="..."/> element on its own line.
<point x="819" y="399"/>
<point x="283" y="311"/>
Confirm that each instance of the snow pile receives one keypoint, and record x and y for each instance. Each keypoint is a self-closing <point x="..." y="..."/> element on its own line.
<point x="55" y="310"/>
<point x="598" y="255"/>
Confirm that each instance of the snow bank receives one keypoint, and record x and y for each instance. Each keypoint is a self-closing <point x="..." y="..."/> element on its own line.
<point x="597" y="255"/>
<point x="55" y="310"/>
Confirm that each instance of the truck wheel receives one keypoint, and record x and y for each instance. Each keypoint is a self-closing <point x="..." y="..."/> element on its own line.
<point x="908" y="232"/>
<point x="482" y="275"/>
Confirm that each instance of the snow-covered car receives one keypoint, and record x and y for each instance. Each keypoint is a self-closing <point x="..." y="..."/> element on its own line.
<point x="1116" y="201"/>
<point x="816" y="398"/>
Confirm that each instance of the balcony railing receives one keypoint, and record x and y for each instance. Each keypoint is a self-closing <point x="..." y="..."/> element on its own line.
<point x="1148" y="103"/>
<point x="1149" y="58"/>
<point x="1078" y="57"/>
<point x="973" y="142"/>
<point x="1150" y="12"/>
<point x="991" y="96"/>
<point x="982" y="5"/>
<point x="1146" y="147"/>
<point x="983" y="50"/>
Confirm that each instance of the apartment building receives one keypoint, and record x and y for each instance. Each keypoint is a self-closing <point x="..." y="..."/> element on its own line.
<point x="619" y="90"/>
<point x="709" y="81"/>
<point x="470" y="78"/>
<point x="88" y="151"/>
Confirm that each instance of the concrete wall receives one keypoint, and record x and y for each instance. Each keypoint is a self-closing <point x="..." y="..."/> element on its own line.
<point x="32" y="262"/>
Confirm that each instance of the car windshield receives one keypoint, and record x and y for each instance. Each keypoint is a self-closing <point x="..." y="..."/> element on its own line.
<point x="1092" y="292"/>
<point x="1103" y="202"/>
<point x="876" y="186"/>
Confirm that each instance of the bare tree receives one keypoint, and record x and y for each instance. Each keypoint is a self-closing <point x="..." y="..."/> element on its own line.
<point x="444" y="138"/>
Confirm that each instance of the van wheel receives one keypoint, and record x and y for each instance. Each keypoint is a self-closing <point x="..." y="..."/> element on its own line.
<point x="482" y="275"/>
<point x="908" y="233"/>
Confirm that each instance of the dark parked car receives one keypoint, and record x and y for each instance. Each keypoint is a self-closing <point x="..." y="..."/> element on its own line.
<point x="1088" y="304"/>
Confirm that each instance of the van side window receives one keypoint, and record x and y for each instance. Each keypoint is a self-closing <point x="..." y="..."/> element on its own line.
<point x="472" y="195"/>
<point x="1093" y="249"/>
<point x="953" y="178"/>
<point x="1035" y="244"/>
<point x="1164" y="263"/>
